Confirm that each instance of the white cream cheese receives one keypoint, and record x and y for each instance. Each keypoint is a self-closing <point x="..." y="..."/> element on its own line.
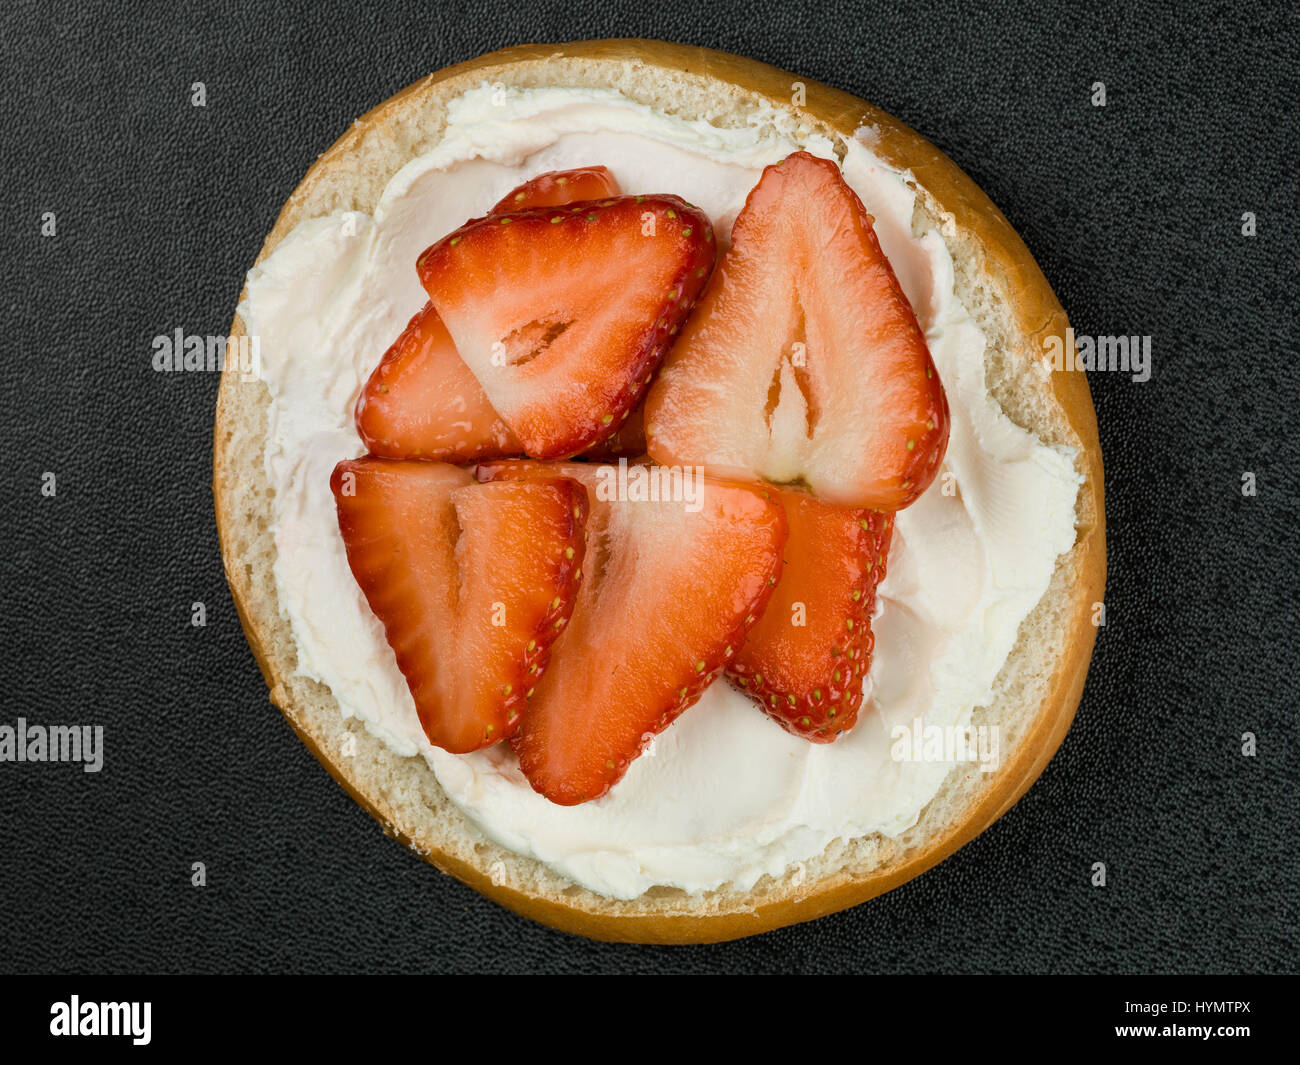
<point x="724" y="795"/>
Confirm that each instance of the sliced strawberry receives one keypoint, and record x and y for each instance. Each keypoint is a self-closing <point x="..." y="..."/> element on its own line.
<point x="627" y="441"/>
<point x="556" y="188"/>
<point x="804" y="361"/>
<point x="422" y="401"/>
<point x="564" y="314"/>
<point x="472" y="583"/>
<point x="805" y="660"/>
<point x="669" y="595"/>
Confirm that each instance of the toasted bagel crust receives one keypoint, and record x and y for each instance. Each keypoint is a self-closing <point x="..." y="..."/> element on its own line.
<point x="994" y="253"/>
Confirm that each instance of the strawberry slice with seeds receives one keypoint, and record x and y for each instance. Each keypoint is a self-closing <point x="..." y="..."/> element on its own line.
<point x="472" y="583"/>
<point x="422" y="401"/>
<point x="564" y="314"/>
<point x="627" y="441"/>
<point x="556" y="188"/>
<point x="669" y="594"/>
<point x="804" y="362"/>
<point x="805" y="661"/>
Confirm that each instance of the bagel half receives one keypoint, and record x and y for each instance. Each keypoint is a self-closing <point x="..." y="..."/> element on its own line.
<point x="1039" y="686"/>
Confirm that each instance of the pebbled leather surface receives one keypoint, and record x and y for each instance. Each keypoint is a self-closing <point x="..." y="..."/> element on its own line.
<point x="1134" y="212"/>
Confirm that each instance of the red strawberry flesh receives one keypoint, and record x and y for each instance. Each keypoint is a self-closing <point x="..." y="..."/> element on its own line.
<point x="556" y="188"/>
<point x="472" y="582"/>
<point x="803" y="362"/>
<point x="805" y="661"/>
<point x="423" y="402"/>
<point x="564" y="314"/>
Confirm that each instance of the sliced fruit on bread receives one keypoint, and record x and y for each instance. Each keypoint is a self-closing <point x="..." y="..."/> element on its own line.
<point x="472" y="583"/>
<point x="565" y="313"/>
<point x="805" y="660"/>
<point x="422" y="401"/>
<point x="803" y="361"/>
<point x="669" y="594"/>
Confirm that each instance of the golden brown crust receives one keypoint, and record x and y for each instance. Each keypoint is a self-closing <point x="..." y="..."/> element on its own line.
<point x="1040" y="316"/>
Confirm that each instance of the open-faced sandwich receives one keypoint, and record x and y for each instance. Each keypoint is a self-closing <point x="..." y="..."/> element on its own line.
<point x="654" y="506"/>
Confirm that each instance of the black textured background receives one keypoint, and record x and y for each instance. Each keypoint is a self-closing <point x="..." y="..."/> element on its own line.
<point x="1134" y="212"/>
